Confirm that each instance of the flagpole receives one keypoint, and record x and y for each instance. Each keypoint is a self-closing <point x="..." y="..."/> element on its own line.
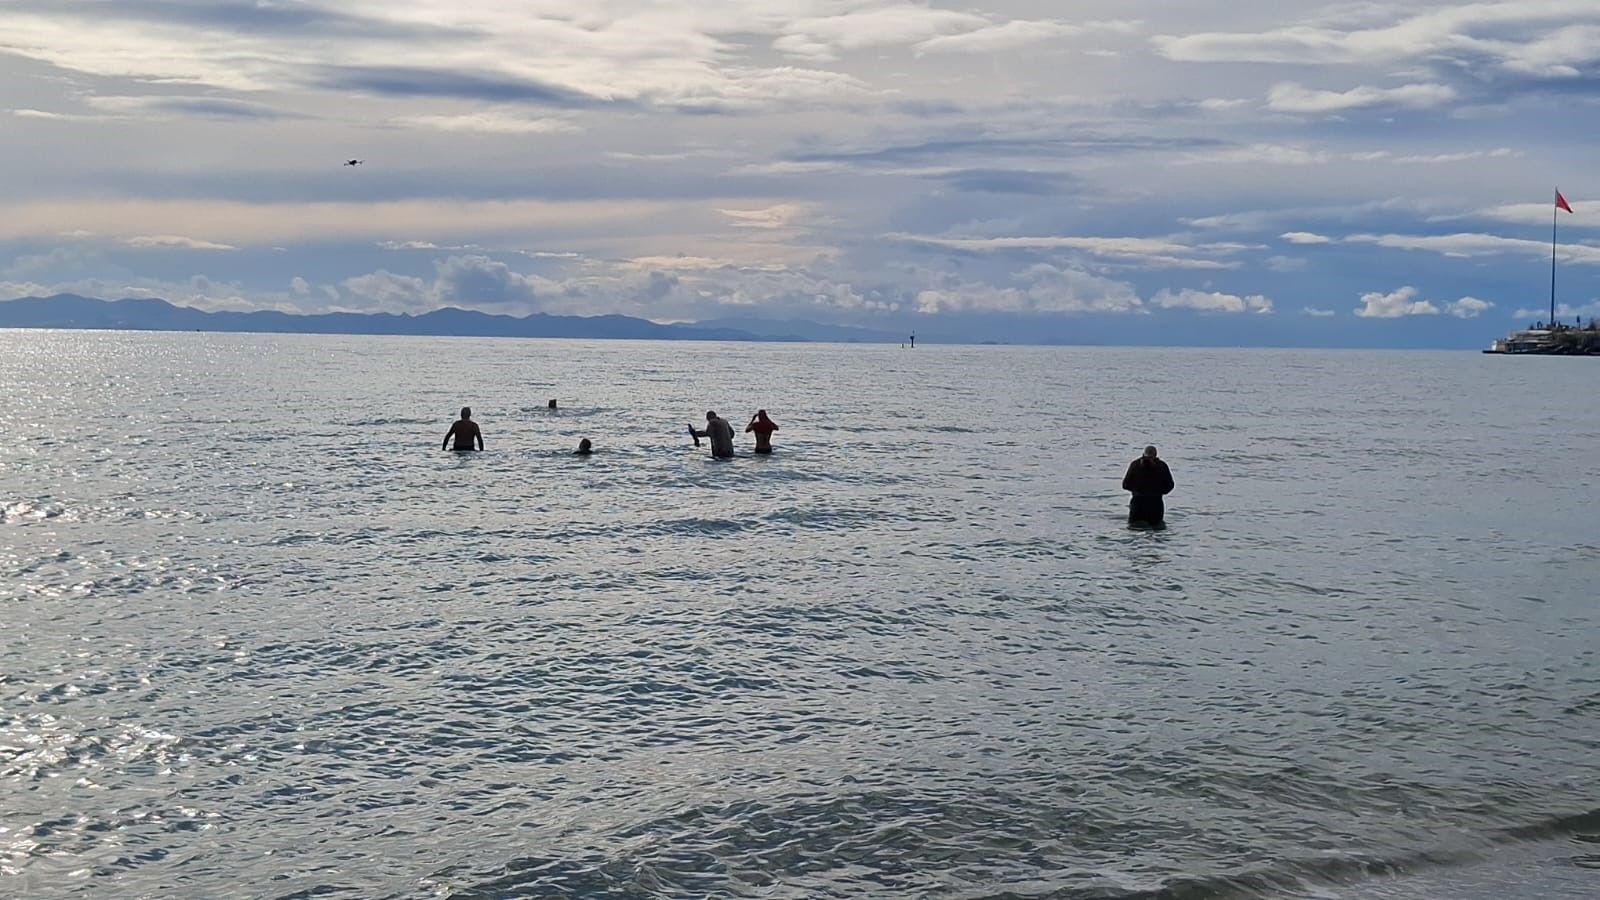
<point x="1553" y="210"/>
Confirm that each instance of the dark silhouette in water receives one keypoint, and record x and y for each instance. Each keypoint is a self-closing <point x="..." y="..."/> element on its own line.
<point x="584" y="448"/>
<point x="763" y="428"/>
<point x="1149" y="480"/>
<point x="552" y="404"/>
<point x="354" y="162"/>
<point x="720" y="433"/>
<point x="465" y="431"/>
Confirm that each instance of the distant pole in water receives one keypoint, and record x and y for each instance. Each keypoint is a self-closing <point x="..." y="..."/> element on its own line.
<point x="1561" y="203"/>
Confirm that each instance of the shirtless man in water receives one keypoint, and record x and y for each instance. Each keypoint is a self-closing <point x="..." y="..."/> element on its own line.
<point x="465" y="431"/>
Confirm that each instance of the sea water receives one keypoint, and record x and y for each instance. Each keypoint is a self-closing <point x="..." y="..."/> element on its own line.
<point x="263" y="638"/>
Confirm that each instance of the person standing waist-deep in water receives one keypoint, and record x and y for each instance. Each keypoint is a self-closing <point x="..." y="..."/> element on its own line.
<point x="1149" y="480"/>
<point x="763" y="428"/>
<point x="720" y="433"/>
<point x="465" y="431"/>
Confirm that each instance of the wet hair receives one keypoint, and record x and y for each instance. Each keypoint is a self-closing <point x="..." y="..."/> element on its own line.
<point x="583" y="444"/>
<point x="466" y="412"/>
<point x="1150" y="451"/>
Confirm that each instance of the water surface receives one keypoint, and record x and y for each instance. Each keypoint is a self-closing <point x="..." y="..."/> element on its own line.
<point x="264" y="639"/>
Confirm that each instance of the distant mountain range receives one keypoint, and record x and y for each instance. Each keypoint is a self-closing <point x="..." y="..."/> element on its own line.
<point x="149" y="314"/>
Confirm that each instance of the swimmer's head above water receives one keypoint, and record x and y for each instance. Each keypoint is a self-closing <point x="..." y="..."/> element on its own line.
<point x="466" y="412"/>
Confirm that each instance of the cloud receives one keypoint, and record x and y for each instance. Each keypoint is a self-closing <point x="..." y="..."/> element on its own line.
<point x="1151" y="252"/>
<point x="1466" y="245"/>
<point x="1533" y="36"/>
<point x="1564" y="312"/>
<point x="174" y="240"/>
<point x="1041" y="289"/>
<point x="1316" y="313"/>
<point x="1268" y="154"/>
<point x="416" y="82"/>
<point x="489" y="122"/>
<point x="26" y="113"/>
<point x="1211" y="301"/>
<point x="1468" y="307"/>
<point x="1532" y="213"/>
<point x="167" y="107"/>
<point x="1395" y="304"/>
<point x="1010" y="35"/>
<point x="822" y="38"/>
<point x="783" y="215"/>
<point x="1432" y="158"/>
<point x="1004" y="181"/>
<point x="1305" y="237"/>
<point x="229" y="222"/>
<point x="1289" y="97"/>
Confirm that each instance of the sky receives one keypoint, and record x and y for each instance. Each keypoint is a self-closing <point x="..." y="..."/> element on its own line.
<point x="1216" y="173"/>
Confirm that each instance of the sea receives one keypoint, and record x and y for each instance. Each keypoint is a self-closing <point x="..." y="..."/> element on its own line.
<point x="260" y="637"/>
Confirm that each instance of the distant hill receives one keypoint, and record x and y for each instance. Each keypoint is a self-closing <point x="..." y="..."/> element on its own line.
<point x="149" y="314"/>
<point x="802" y="330"/>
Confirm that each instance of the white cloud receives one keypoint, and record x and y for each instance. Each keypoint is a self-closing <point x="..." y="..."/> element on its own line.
<point x="1468" y="245"/>
<point x="1316" y="313"/>
<point x="1254" y="154"/>
<point x="174" y="240"/>
<point x="824" y="37"/>
<point x="1211" y="301"/>
<point x="1548" y="36"/>
<point x="1432" y="158"/>
<point x="1468" y="307"/>
<point x="1534" y="213"/>
<point x="299" y="286"/>
<point x="1152" y="252"/>
<point x="501" y="122"/>
<point x="782" y="215"/>
<point x="1305" y="237"/>
<point x="1565" y="312"/>
<point x="1290" y="97"/>
<point x="1010" y="35"/>
<point x="1044" y="289"/>
<point x="1394" y="305"/>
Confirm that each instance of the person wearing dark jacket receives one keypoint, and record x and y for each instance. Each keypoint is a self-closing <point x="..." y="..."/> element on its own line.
<point x="1149" y="480"/>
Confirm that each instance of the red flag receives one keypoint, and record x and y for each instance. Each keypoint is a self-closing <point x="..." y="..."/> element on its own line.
<point x="1561" y="202"/>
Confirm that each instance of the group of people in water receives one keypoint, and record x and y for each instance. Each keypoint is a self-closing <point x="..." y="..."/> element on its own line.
<point x="720" y="433"/>
<point x="467" y="436"/>
<point x="1148" y="479"/>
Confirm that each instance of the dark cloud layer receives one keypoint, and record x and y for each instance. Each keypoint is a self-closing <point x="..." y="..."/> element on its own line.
<point x="416" y="82"/>
<point x="241" y="16"/>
